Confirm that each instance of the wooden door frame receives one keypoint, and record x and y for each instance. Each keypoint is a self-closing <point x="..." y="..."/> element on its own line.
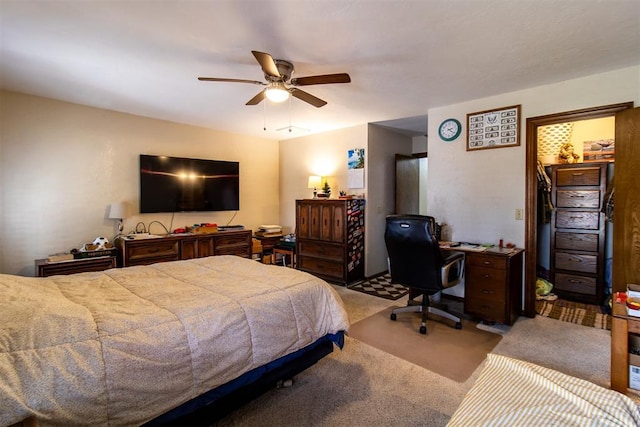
<point x="531" y="202"/>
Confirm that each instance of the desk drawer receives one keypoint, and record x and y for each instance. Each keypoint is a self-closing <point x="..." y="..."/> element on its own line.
<point x="485" y="308"/>
<point x="488" y="261"/>
<point x="486" y="281"/>
<point x="583" y="263"/>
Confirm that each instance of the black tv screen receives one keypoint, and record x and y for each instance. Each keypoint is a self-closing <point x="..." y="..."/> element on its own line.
<point x="175" y="184"/>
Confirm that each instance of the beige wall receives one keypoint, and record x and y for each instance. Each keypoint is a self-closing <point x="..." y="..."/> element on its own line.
<point x="62" y="164"/>
<point x="476" y="193"/>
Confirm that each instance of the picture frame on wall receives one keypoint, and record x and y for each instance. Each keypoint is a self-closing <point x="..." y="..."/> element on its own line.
<point x="495" y="128"/>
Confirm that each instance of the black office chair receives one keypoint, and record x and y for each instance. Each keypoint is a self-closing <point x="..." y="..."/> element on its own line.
<point x="416" y="262"/>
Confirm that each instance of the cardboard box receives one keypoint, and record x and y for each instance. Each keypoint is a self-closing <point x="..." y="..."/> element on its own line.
<point x="634" y="371"/>
<point x="633" y="295"/>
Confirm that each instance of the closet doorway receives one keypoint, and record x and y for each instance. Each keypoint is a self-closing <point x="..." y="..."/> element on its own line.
<point x="531" y="206"/>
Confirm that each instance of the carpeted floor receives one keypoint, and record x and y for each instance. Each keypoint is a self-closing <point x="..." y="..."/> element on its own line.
<point x="465" y="348"/>
<point x="381" y="286"/>
<point x="574" y="312"/>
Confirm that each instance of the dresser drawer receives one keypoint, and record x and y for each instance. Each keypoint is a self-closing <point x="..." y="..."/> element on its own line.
<point x="584" y="220"/>
<point x="321" y="267"/>
<point x="577" y="241"/>
<point x="236" y="240"/>
<point x="578" y="199"/>
<point x="583" y="263"/>
<point x="578" y="176"/>
<point x="323" y="250"/>
<point x="155" y="251"/>
<point x="574" y="283"/>
<point x="489" y="261"/>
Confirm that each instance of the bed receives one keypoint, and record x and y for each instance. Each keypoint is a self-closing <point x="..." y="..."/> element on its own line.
<point x="133" y="345"/>
<point x="511" y="392"/>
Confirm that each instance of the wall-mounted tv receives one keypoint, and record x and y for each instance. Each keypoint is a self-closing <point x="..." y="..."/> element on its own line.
<point x="176" y="184"/>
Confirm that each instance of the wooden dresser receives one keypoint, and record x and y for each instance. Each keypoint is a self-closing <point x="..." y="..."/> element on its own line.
<point x="577" y="255"/>
<point x="330" y="238"/>
<point x="493" y="284"/>
<point x="178" y="247"/>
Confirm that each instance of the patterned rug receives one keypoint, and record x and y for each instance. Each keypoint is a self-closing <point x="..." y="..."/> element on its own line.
<point x="381" y="286"/>
<point x="574" y="312"/>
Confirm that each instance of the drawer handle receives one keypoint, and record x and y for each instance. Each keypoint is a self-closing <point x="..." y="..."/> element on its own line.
<point x="152" y="250"/>
<point x="578" y="173"/>
<point x="487" y="291"/>
<point x="486" y="262"/>
<point x="575" y="260"/>
<point x="577" y="196"/>
<point x="486" y="276"/>
<point x="575" y="281"/>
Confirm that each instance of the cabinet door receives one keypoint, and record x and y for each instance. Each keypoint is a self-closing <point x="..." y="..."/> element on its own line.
<point x="315" y="221"/>
<point x="339" y="217"/>
<point x="188" y="249"/>
<point x="326" y="228"/>
<point x="205" y="247"/>
<point x="302" y="220"/>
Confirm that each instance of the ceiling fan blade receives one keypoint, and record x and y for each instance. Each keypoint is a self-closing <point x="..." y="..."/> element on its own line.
<point x="257" y="99"/>
<point x="216" y="79"/>
<point x="321" y="80"/>
<point x="267" y="63"/>
<point x="307" y="97"/>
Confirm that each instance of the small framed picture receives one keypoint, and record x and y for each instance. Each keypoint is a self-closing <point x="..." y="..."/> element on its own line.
<point x="493" y="128"/>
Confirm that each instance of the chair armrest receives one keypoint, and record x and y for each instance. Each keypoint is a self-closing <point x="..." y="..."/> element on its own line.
<point x="452" y="259"/>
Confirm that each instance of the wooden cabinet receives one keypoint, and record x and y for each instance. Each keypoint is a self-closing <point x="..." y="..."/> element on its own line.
<point x="493" y="285"/>
<point x="626" y="240"/>
<point x="173" y="248"/>
<point x="45" y="269"/>
<point x="578" y="231"/>
<point x="330" y="238"/>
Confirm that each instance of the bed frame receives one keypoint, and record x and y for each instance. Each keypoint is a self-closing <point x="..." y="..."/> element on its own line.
<point x="217" y="403"/>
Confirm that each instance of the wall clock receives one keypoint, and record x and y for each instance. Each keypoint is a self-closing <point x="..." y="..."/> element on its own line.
<point x="449" y="130"/>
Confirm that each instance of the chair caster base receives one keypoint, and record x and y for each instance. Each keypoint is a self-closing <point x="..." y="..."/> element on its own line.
<point x="423" y="330"/>
<point x="393" y="316"/>
<point x="458" y="325"/>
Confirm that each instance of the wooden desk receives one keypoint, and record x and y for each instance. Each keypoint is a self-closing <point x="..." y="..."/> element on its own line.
<point x="493" y="283"/>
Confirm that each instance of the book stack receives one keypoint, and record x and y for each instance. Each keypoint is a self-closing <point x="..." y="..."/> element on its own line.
<point x="269" y="231"/>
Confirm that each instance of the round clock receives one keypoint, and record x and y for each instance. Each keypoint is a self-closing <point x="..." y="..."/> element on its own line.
<point x="449" y="130"/>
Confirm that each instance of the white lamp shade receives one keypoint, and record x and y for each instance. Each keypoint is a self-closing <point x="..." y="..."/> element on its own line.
<point x="314" y="181"/>
<point x="277" y="94"/>
<point x="117" y="211"/>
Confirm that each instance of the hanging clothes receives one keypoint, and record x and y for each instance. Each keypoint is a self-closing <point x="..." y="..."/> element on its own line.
<point x="607" y="201"/>
<point x="545" y="206"/>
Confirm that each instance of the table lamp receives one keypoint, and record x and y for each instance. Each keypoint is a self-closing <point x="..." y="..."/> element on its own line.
<point x="314" y="182"/>
<point x="118" y="211"/>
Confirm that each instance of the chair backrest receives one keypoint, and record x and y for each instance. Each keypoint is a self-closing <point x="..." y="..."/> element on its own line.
<point x="414" y="255"/>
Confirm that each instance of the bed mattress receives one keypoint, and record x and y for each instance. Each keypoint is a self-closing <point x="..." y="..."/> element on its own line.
<point x="122" y="346"/>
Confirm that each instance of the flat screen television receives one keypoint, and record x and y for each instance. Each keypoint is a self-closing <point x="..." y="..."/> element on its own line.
<point x="176" y="184"/>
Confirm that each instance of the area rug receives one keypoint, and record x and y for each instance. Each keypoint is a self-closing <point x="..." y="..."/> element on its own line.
<point x="574" y="312"/>
<point x="452" y="353"/>
<point x="381" y="286"/>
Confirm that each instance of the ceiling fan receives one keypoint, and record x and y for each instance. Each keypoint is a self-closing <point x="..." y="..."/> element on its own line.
<point x="279" y="84"/>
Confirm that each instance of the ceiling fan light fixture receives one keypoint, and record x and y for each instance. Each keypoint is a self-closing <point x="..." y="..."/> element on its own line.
<point x="277" y="94"/>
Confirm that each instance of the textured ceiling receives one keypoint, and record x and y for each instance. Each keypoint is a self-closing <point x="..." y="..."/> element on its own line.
<point x="404" y="57"/>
